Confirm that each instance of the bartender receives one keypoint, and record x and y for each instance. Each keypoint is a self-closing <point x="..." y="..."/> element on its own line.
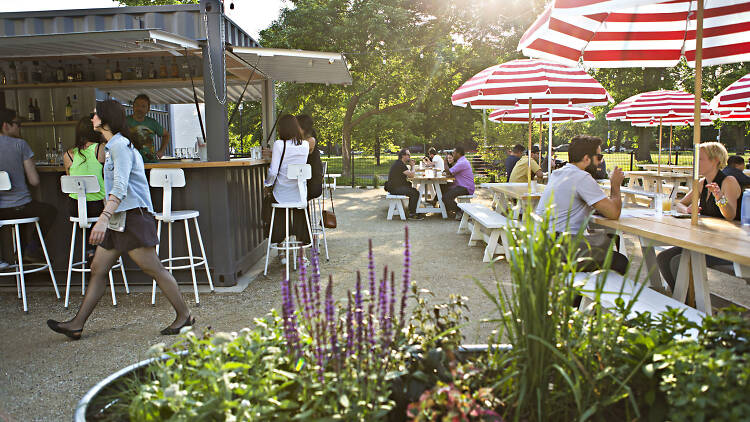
<point x="144" y="128"/>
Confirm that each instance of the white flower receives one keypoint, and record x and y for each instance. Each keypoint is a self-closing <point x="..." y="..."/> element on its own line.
<point x="156" y="350"/>
<point x="245" y="403"/>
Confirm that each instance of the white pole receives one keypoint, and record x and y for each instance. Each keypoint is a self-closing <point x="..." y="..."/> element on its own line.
<point x="549" y="146"/>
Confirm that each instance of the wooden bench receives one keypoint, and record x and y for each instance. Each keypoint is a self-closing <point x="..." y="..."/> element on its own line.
<point x="615" y="286"/>
<point x="464" y="199"/>
<point x="484" y="224"/>
<point x="395" y="205"/>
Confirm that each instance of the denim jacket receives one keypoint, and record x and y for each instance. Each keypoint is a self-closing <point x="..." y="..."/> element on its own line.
<point x="125" y="176"/>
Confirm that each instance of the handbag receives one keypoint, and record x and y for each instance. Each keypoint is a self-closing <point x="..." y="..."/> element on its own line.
<point x="329" y="217"/>
<point x="266" y="205"/>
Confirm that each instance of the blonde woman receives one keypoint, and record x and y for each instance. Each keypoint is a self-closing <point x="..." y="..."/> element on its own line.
<point x="719" y="197"/>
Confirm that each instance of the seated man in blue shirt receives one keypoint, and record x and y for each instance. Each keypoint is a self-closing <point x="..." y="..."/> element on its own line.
<point x="735" y="167"/>
<point x="513" y="156"/>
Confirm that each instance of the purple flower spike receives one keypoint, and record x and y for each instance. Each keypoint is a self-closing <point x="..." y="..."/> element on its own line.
<point x="407" y="275"/>
<point x="331" y="318"/>
<point x="349" y="324"/>
<point x="358" y="314"/>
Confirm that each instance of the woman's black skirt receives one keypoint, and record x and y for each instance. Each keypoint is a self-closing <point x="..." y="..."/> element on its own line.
<point x="140" y="232"/>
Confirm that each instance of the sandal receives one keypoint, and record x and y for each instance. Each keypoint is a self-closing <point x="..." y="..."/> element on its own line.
<point x="55" y="326"/>
<point x="169" y="331"/>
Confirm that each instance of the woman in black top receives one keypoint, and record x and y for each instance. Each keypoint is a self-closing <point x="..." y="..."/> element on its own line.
<point x="720" y="197"/>
<point x="315" y="184"/>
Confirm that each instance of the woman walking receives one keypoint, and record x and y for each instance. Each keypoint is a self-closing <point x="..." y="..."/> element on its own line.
<point x="126" y="225"/>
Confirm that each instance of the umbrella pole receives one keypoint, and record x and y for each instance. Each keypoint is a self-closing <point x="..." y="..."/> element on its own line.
<point x="697" y="112"/>
<point x="658" y="163"/>
<point x="528" y="167"/>
<point x="484" y="125"/>
<point x="670" y="145"/>
<point x="549" y="147"/>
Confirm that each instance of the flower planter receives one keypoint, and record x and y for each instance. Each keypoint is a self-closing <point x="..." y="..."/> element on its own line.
<point x="86" y="412"/>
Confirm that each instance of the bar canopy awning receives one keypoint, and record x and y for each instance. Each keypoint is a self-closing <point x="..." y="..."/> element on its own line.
<point x="130" y="41"/>
<point x="297" y="66"/>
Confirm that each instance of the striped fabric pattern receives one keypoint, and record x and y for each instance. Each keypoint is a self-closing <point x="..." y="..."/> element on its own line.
<point x="513" y="83"/>
<point x="734" y="116"/>
<point x="735" y="97"/>
<point x="673" y="107"/>
<point x="638" y="33"/>
<point x="542" y="114"/>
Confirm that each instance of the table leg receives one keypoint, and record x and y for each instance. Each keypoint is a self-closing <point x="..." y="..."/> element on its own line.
<point x="439" y="194"/>
<point x="649" y="258"/>
<point x="700" y="282"/>
<point x="420" y="188"/>
<point x="741" y="271"/>
<point x="682" y="281"/>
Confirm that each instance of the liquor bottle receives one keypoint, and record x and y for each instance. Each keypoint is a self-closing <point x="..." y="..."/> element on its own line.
<point x="60" y="72"/>
<point x="108" y="72"/>
<point x="32" y="112"/>
<point x="3" y="78"/>
<point x="22" y="73"/>
<point x="162" y="69"/>
<point x="76" y="110"/>
<point x="59" y="150"/>
<point x="68" y="110"/>
<point x="139" y="69"/>
<point x="12" y="75"/>
<point x="78" y="73"/>
<point x="36" y="73"/>
<point x="70" y="76"/>
<point x="117" y="74"/>
<point x="152" y="71"/>
<point x="47" y="153"/>
<point x="174" y="71"/>
<point x="91" y="76"/>
<point x="185" y="71"/>
<point x="37" y="111"/>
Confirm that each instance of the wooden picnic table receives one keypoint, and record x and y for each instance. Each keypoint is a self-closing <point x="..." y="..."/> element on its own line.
<point x="654" y="182"/>
<point x="516" y="194"/>
<point x="422" y="182"/>
<point x="668" y="168"/>
<point x="712" y="236"/>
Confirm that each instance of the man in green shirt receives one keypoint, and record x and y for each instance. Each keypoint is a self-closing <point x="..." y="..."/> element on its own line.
<point x="145" y="128"/>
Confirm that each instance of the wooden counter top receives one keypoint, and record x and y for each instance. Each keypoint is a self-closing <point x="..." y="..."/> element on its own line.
<point x="176" y="164"/>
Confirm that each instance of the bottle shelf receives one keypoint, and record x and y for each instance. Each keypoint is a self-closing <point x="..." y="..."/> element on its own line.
<point x="165" y="82"/>
<point x="42" y="124"/>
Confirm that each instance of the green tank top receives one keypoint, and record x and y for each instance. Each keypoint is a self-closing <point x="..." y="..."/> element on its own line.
<point x="88" y="167"/>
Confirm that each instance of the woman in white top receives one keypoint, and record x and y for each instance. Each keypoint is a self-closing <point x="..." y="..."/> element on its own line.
<point x="290" y="149"/>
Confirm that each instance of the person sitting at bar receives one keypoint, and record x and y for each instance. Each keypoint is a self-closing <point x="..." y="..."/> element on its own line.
<point x="315" y="184"/>
<point x="513" y="156"/>
<point x="720" y="197"/>
<point x="86" y="158"/>
<point x="518" y="175"/>
<point x="734" y="168"/>
<point x="463" y="183"/>
<point x="433" y="160"/>
<point x="398" y="184"/>
<point x="145" y="128"/>
<point x="574" y="195"/>
<point x="127" y="225"/>
<point x="16" y="158"/>
<point x="290" y="148"/>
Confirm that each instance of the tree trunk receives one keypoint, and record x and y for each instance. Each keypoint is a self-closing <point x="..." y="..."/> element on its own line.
<point x="739" y="139"/>
<point x="618" y="140"/>
<point x="645" y="140"/>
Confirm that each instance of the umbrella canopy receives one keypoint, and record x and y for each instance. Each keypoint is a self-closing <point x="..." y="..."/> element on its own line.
<point x="542" y="114"/>
<point x="519" y="82"/>
<point x="735" y="97"/>
<point x="734" y="116"/>
<point x="670" y="105"/>
<point x="638" y="33"/>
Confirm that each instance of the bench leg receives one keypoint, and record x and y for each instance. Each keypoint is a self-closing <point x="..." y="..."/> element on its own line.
<point x="476" y="234"/>
<point x="464" y="223"/>
<point x="504" y="239"/>
<point x="401" y="213"/>
<point x="391" y="209"/>
<point x="489" y="251"/>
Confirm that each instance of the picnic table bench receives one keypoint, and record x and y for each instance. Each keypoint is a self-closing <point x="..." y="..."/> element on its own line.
<point x="484" y="224"/>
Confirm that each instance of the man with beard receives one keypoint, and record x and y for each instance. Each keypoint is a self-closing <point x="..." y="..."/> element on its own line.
<point x="575" y="195"/>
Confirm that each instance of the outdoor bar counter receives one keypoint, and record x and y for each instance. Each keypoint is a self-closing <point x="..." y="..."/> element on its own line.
<point x="226" y="193"/>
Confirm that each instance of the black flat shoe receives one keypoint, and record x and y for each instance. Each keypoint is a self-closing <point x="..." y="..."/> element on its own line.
<point x="189" y="322"/>
<point x="55" y="326"/>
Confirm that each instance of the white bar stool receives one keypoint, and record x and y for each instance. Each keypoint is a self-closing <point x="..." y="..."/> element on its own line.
<point x="301" y="172"/>
<point x="316" y="205"/>
<point x="81" y="185"/>
<point x="167" y="179"/>
<point x="19" y="270"/>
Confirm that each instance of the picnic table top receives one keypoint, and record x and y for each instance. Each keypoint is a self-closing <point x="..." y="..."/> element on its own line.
<point x="711" y="236"/>
<point x="668" y="167"/>
<point x="517" y="190"/>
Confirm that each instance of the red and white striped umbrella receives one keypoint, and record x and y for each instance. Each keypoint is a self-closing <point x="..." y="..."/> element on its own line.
<point x="734" y="116"/>
<point x="735" y="97"/>
<point x="519" y="82"/>
<point x="665" y="104"/>
<point x="542" y="114"/>
<point x="638" y="33"/>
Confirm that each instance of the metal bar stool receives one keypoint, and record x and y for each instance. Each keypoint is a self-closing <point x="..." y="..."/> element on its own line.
<point x="18" y="269"/>
<point x="315" y="205"/>
<point x="167" y="179"/>
<point x="301" y="172"/>
<point x="81" y="185"/>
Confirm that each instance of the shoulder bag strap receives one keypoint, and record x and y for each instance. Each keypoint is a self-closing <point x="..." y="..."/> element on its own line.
<point x="278" y="171"/>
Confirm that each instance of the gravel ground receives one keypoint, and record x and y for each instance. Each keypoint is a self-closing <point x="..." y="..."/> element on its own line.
<point x="43" y="375"/>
